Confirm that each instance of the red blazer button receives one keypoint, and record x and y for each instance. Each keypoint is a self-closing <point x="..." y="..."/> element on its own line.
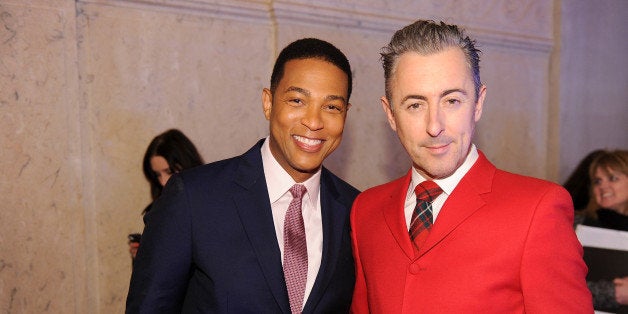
<point x="414" y="269"/>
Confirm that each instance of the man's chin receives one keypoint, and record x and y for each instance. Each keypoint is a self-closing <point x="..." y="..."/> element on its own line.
<point x="434" y="173"/>
<point x="307" y="170"/>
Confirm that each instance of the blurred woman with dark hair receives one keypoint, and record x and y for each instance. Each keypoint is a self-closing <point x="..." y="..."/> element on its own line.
<point x="168" y="153"/>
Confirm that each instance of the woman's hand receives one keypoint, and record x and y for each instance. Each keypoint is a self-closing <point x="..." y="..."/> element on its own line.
<point x="133" y="246"/>
<point x="621" y="290"/>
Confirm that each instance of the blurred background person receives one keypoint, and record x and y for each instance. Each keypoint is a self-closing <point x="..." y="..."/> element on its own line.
<point x="608" y="176"/>
<point x="609" y="187"/>
<point x="578" y="184"/>
<point x="168" y="153"/>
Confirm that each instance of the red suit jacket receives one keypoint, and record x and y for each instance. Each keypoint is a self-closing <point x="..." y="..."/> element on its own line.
<point x="502" y="243"/>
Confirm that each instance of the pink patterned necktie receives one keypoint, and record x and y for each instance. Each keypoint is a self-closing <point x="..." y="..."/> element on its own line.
<point x="295" y="250"/>
<point x="422" y="217"/>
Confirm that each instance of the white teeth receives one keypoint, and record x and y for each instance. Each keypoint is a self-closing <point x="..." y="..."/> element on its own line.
<point x="307" y="141"/>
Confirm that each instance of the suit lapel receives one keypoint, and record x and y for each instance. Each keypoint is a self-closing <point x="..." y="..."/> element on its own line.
<point x="334" y="216"/>
<point x="393" y="210"/>
<point x="463" y="202"/>
<point x="253" y="206"/>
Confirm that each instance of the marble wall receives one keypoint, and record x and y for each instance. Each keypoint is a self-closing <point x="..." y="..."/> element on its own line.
<point x="86" y="84"/>
<point x="594" y="79"/>
<point x="43" y="209"/>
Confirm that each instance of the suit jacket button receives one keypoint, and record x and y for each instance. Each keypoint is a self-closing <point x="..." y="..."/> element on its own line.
<point x="414" y="269"/>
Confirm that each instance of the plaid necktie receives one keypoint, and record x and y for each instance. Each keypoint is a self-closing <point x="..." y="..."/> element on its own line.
<point x="295" y="250"/>
<point x="422" y="217"/>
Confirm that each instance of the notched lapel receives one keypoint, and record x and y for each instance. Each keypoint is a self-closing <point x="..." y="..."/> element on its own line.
<point x="253" y="206"/>
<point x="393" y="210"/>
<point x="334" y="217"/>
<point x="463" y="202"/>
<point x="454" y="212"/>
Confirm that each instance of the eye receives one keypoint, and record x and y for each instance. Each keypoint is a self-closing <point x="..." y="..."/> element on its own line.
<point x="296" y="101"/>
<point x="451" y="102"/>
<point x="596" y="181"/>
<point x="333" y="108"/>
<point x="414" y="106"/>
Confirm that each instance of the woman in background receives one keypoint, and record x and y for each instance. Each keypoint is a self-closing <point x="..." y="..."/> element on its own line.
<point x="609" y="187"/>
<point x="579" y="184"/>
<point x="167" y="153"/>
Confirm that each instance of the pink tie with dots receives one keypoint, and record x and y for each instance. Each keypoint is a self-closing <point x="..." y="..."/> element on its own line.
<point x="295" y="250"/>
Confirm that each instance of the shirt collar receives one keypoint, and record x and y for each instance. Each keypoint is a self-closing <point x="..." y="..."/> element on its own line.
<point x="278" y="181"/>
<point x="448" y="184"/>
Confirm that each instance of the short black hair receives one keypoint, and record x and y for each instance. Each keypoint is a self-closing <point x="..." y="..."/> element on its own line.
<point x="310" y="48"/>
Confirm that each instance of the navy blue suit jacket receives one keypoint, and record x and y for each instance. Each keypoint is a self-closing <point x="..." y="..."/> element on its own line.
<point x="209" y="245"/>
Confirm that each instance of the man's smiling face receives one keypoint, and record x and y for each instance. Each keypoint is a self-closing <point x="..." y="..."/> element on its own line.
<point x="307" y="114"/>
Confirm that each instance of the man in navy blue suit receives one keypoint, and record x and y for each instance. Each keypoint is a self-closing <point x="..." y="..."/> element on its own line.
<point x="214" y="240"/>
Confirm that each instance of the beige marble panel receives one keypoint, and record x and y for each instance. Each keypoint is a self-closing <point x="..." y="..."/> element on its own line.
<point x="594" y="76"/>
<point x="513" y="131"/>
<point x="515" y="20"/>
<point x="148" y="69"/>
<point x="42" y="253"/>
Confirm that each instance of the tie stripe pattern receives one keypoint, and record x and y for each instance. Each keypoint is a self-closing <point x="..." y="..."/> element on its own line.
<point x="295" y="250"/>
<point x="422" y="217"/>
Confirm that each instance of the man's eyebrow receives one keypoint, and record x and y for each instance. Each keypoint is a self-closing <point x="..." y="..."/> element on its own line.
<point x="417" y="97"/>
<point x="443" y="94"/>
<point x="298" y="90"/>
<point x="454" y="90"/>
<point x="335" y="97"/>
<point x="308" y="93"/>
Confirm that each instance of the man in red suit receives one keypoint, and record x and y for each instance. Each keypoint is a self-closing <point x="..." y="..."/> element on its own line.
<point x="491" y="241"/>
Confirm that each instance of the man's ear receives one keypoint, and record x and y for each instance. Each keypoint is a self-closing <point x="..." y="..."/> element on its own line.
<point x="480" y="104"/>
<point x="389" y="113"/>
<point x="347" y="110"/>
<point x="267" y="102"/>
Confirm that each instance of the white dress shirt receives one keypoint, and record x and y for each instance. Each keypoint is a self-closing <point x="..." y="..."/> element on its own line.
<point x="447" y="185"/>
<point x="279" y="182"/>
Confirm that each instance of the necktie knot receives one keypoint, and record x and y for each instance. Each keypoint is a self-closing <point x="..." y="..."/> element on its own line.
<point x="297" y="191"/>
<point x="427" y="191"/>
